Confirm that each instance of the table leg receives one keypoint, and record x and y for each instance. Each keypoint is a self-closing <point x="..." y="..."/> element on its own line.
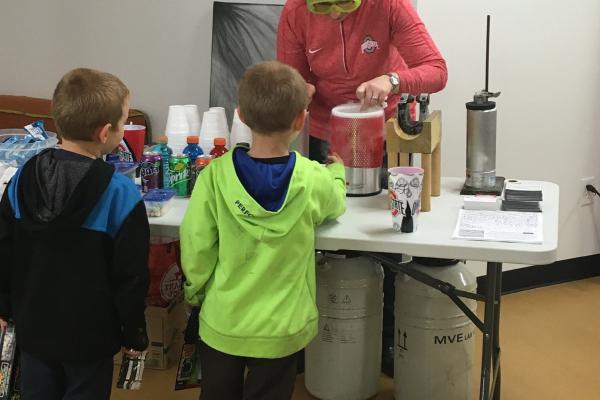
<point x="436" y="170"/>
<point x="496" y="342"/>
<point x="489" y="322"/>
<point x="404" y="160"/>
<point x="426" y="192"/>
<point x="392" y="159"/>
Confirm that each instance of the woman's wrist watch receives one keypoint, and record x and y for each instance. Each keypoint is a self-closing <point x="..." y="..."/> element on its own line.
<point x="395" y="81"/>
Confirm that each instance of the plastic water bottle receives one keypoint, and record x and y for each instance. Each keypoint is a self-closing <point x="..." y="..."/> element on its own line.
<point x="165" y="152"/>
<point x="219" y="148"/>
<point x="192" y="150"/>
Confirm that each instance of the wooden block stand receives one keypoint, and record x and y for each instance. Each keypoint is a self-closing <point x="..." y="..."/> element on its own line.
<point x="428" y="143"/>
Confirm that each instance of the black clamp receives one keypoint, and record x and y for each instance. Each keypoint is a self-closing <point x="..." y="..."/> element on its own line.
<point x="407" y="124"/>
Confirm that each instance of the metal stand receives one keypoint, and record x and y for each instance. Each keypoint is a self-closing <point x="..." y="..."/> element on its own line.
<point x="490" y="326"/>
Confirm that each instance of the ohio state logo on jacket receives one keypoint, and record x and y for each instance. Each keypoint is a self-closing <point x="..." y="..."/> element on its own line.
<point x="369" y="45"/>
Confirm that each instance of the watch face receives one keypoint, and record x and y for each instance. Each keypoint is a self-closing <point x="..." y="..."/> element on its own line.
<point x="394" y="79"/>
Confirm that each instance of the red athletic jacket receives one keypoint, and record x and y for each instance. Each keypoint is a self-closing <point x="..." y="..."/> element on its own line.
<point x="382" y="36"/>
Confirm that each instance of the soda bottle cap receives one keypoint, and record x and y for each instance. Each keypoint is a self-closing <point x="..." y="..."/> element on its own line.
<point x="220" y="141"/>
<point x="202" y="161"/>
<point x="193" y="139"/>
<point x="164" y="139"/>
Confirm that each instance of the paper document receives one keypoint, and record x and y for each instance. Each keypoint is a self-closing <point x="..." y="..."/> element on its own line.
<point x="499" y="226"/>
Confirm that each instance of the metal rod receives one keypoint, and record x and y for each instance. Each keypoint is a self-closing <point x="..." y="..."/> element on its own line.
<point x="487" y="54"/>
<point x="488" y="333"/>
<point x="437" y="284"/>
<point x="496" y="340"/>
<point x="466" y="310"/>
<point x="469" y="295"/>
<point x="495" y="389"/>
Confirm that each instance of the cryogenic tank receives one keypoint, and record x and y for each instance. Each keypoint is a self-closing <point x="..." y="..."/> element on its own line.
<point x="434" y="340"/>
<point x="343" y="362"/>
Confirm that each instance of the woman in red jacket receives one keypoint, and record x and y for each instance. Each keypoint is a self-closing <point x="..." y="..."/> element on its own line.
<point x="349" y="50"/>
<point x="368" y="51"/>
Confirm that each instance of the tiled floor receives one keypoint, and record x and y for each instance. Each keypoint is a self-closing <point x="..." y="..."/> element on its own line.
<point x="550" y="341"/>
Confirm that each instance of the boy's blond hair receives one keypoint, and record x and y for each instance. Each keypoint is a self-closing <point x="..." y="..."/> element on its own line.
<point x="271" y="96"/>
<point x="86" y="99"/>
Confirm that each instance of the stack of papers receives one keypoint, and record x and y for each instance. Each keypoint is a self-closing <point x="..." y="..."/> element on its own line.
<point x="521" y="197"/>
<point x="499" y="226"/>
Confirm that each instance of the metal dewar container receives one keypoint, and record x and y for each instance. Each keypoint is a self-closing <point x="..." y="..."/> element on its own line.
<point x="481" y="144"/>
<point x="434" y="340"/>
<point x="343" y="362"/>
<point x="358" y="137"/>
<point x="481" y="137"/>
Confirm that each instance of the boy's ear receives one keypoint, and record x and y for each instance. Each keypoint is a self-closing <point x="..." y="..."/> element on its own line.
<point x="299" y="121"/>
<point x="102" y="133"/>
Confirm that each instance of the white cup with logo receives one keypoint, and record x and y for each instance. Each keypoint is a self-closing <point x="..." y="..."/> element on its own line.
<point x="405" y="185"/>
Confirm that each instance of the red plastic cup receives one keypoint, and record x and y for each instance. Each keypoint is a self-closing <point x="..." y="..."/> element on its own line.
<point x="135" y="136"/>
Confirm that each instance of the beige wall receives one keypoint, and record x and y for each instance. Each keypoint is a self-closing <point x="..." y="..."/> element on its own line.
<point x="161" y="49"/>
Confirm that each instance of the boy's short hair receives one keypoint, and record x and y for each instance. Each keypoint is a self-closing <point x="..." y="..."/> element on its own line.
<point x="271" y="95"/>
<point x="86" y="99"/>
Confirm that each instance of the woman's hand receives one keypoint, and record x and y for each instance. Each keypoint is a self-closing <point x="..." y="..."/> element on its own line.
<point x="374" y="92"/>
<point x="3" y="324"/>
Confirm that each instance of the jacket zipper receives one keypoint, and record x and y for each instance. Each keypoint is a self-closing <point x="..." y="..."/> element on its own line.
<point x="343" y="46"/>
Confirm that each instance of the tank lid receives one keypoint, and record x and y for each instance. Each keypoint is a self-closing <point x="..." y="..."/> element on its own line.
<point x="354" y="111"/>
<point x="342" y="254"/>
<point x="481" y="106"/>
<point x="435" y="262"/>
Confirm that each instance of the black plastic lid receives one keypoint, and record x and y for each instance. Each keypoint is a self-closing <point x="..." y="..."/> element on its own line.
<point x="434" y="262"/>
<point x="485" y="106"/>
<point x="343" y="253"/>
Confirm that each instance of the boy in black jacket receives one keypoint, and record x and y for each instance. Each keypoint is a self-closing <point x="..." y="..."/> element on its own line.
<point x="74" y="249"/>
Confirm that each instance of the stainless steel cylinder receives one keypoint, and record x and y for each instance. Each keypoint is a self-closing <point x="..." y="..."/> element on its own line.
<point x="363" y="181"/>
<point x="481" y="147"/>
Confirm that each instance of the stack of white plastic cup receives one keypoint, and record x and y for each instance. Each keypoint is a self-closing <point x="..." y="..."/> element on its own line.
<point x="193" y="117"/>
<point x="240" y="132"/>
<point x="214" y="125"/>
<point x="178" y="128"/>
<point x="223" y="120"/>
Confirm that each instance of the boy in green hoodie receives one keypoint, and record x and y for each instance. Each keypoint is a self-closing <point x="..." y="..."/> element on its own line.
<point x="248" y="242"/>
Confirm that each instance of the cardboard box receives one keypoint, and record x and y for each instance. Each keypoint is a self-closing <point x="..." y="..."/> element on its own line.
<point x="165" y="327"/>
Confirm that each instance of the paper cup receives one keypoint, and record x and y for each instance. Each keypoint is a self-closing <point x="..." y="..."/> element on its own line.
<point x="177" y="142"/>
<point x="240" y="132"/>
<point x="193" y="118"/>
<point x="222" y="119"/>
<point x="213" y="126"/>
<point x="135" y="136"/>
<point x="177" y="122"/>
<point x="405" y="185"/>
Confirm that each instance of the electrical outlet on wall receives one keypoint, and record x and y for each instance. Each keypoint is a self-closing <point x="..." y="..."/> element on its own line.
<point x="586" y="197"/>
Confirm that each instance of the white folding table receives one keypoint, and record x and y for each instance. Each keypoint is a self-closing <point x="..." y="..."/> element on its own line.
<point x="367" y="227"/>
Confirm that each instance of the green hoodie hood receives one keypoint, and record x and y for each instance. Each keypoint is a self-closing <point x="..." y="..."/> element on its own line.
<point x="262" y="224"/>
<point x="252" y="270"/>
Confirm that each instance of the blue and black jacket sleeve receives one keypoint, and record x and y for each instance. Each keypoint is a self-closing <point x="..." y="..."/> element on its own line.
<point x="6" y="250"/>
<point x="130" y="277"/>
